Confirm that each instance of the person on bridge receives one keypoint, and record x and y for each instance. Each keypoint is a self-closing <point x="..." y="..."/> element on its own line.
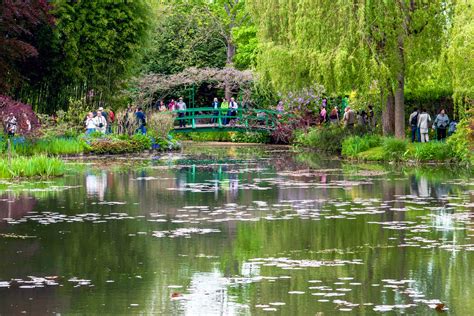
<point x="224" y="108"/>
<point x="233" y="106"/>
<point x="172" y="105"/>
<point x="215" y="106"/>
<point x="181" y="108"/>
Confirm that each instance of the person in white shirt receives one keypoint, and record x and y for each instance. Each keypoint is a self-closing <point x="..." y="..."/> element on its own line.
<point x="181" y="107"/>
<point x="90" y="123"/>
<point x="424" y="120"/>
<point x="100" y="122"/>
<point x="233" y="106"/>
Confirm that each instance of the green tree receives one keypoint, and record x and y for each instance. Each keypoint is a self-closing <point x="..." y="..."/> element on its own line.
<point x="94" y="45"/>
<point x="460" y="56"/>
<point x="362" y="45"/>
<point x="183" y="37"/>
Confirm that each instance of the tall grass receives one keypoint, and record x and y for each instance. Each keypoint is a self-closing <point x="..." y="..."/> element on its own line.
<point x="51" y="146"/>
<point x="394" y="149"/>
<point x="439" y="151"/>
<point x="39" y="166"/>
<point x="354" y="145"/>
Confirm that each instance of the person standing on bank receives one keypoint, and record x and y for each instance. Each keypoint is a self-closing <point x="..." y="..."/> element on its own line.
<point x="349" y="118"/>
<point x="181" y="108"/>
<point x="424" y="121"/>
<point x="441" y="124"/>
<point x="90" y="123"/>
<point x="141" y="120"/>
<point x="100" y="122"/>
<point x="334" y="116"/>
<point x="413" y="121"/>
<point x="11" y="125"/>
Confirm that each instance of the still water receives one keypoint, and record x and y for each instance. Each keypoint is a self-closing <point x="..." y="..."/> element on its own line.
<point x="238" y="231"/>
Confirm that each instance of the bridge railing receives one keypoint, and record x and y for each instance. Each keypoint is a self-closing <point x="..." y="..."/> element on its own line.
<point x="248" y="118"/>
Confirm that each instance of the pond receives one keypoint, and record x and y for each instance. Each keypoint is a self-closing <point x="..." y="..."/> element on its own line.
<point x="233" y="230"/>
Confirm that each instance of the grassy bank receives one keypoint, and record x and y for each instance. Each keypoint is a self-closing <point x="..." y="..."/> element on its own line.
<point x="22" y="167"/>
<point x="371" y="147"/>
<point x="82" y="144"/>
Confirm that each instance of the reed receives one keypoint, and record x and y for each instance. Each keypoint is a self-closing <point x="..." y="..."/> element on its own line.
<point x="27" y="167"/>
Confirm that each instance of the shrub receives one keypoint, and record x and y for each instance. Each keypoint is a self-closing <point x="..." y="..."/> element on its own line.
<point x="461" y="142"/>
<point x="394" y="149"/>
<point x="159" y="124"/>
<point x="354" y="145"/>
<point x="39" y="166"/>
<point x="325" y="139"/>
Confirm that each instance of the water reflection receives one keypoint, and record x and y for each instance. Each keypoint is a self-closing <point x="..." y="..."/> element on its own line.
<point x="266" y="230"/>
<point x="96" y="184"/>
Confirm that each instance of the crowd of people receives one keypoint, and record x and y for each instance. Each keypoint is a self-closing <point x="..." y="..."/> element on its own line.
<point x="344" y="114"/>
<point x="420" y="122"/>
<point x="227" y="106"/>
<point x="99" y="121"/>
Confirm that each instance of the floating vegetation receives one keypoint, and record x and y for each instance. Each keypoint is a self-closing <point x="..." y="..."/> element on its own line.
<point x="184" y="232"/>
<point x="48" y="218"/>
<point x="15" y="236"/>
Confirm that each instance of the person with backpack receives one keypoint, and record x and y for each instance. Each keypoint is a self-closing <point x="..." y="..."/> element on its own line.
<point x="413" y="121"/>
<point x="141" y="120"/>
<point x="441" y="124"/>
<point x="424" y="121"/>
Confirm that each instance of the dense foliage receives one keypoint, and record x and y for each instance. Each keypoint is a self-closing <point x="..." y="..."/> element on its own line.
<point x="89" y="51"/>
<point x="18" y="21"/>
<point x="377" y="49"/>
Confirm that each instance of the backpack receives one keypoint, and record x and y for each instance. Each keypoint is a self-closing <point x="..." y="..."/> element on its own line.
<point x="414" y="120"/>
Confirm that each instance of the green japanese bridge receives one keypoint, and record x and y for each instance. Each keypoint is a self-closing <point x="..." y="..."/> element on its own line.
<point x="210" y="119"/>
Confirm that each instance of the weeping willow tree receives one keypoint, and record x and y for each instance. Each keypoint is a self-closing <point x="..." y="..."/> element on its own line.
<point x="372" y="47"/>
<point x="460" y="56"/>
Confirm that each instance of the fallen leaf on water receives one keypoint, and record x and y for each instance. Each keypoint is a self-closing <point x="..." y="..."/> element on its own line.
<point x="440" y="307"/>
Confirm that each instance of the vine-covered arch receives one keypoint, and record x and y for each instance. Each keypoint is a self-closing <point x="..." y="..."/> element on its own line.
<point x="155" y="86"/>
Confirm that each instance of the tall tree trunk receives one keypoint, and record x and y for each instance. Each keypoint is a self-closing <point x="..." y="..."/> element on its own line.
<point x="399" y="94"/>
<point x="229" y="63"/>
<point x="388" y="115"/>
<point x="400" y="108"/>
